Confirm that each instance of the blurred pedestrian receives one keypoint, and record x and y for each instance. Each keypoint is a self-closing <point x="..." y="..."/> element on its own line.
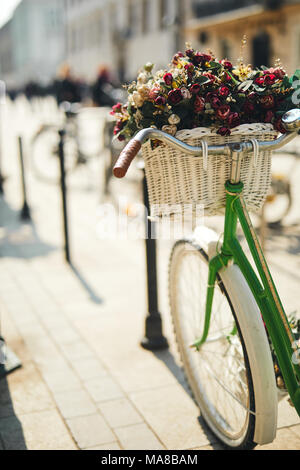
<point x="102" y="89"/>
<point x="66" y="88"/>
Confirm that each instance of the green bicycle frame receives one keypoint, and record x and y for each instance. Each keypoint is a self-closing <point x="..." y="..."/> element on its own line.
<point x="263" y="289"/>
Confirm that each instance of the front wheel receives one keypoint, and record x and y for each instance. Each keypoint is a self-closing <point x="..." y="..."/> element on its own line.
<point x="232" y="380"/>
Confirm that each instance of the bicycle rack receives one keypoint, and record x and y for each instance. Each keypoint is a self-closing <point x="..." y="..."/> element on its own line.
<point x="154" y="338"/>
<point x="25" y="211"/>
<point x="63" y="188"/>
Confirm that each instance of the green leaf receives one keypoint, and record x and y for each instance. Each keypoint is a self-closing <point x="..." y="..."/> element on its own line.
<point x="215" y="65"/>
<point x="295" y="76"/>
<point x="258" y="88"/>
<point x="244" y="86"/>
<point x="202" y="80"/>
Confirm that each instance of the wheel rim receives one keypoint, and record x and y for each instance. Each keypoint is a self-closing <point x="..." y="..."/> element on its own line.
<point x="217" y="372"/>
<point x="45" y="155"/>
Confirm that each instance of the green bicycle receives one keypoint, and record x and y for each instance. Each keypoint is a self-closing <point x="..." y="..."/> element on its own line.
<point x="233" y="334"/>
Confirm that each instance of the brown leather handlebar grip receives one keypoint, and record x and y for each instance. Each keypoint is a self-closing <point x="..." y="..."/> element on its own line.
<point x="126" y="157"/>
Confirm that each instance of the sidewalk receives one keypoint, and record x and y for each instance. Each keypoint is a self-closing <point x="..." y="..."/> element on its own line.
<point x="85" y="383"/>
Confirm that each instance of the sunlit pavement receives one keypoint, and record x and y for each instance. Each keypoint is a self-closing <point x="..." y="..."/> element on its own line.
<point x="85" y="383"/>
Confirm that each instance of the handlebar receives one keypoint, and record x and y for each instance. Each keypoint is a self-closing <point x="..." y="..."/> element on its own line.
<point x="290" y="121"/>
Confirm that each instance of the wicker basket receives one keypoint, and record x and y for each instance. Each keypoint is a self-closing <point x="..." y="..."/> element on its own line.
<point x="178" y="182"/>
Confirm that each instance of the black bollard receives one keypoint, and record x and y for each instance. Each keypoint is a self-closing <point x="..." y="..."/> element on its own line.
<point x="25" y="211"/>
<point x="64" y="195"/>
<point x="2" y="178"/>
<point x="154" y="338"/>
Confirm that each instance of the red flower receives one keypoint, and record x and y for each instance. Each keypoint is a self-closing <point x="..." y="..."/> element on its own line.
<point x="189" y="52"/>
<point x="224" y="131"/>
<point x="175" y="96"/>
<point x="210" y="76"/>
<point x="267" y="101"/>
<point x="260" y="81"/>
<point x="160" y="100"/>
<point x="118" y="127"/>
<point x="215" y="102"/>
<point x="269" y="116"/>
<point x="226" y="64"/>
<point x="223" y="112"/>
<point x="223" y="91"/>
<point x="233" y="120"/>
<point x="121" y="137"/>
<point x="117" y="107"/>
<point x="195" y="88"/>
<point x="226" y="77"/>
<point x="270" y="79"/>
<point x="199" y="104"/>
<point x="168" y="78"/>
<point x="190" y="69"/>
<point x="176" y="58"/>
<point x="213" y="99"/>
<point x="279" y="73"/>
<point x="200" y="58"/>
<point x="279" y="126"/>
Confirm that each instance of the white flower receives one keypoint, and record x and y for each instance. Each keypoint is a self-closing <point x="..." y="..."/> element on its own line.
<point x="143" y="90"/>
<point x="174" y="119"/>
<point x="142" y="78"/>
<point x="137" y="98"/>
<point x="169" y="129"/>
<point x="185" y="93"/>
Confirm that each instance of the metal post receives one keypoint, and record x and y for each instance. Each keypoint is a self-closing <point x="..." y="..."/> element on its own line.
<point x="2" y="179"/>
<point x="153" y="339"/>
<point x="64" y="195"/>
<point x="25" y="211"/>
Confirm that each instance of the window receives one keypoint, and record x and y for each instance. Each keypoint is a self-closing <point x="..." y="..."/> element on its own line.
<point x="163" y="12"/>
<point x="146" y="16"/>
<point x="225" y="49"/>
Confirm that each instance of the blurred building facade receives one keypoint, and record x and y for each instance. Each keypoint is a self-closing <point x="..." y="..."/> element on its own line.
<point x="121" y="34"/>
<point x="124" y="34"/>
<point x="272" y="29"/>
<point x="32" y="42"/>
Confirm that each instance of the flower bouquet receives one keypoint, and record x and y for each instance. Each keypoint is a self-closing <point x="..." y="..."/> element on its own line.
<point x="199" y="97"/>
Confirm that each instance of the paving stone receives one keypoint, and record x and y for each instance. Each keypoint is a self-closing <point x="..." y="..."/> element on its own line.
<point x="173" y="416"/>
<point x="287" y="415"/>
<point x="76" y="350"/>
<point x="103" y="389"/>
<point x="138" y="437"/>
<point x="109" y="446"/>
<point x="74" y="403"/>
<point x="25" y="391"/>
<point x="119" y="413"/>
<point x="90" y="431"/>
<point x="36" y="431"/>
<point x="60" y="377"/>
<point x="286" y="439"/>
<point x="89" y="368"/>
<point x="64" y="335"/>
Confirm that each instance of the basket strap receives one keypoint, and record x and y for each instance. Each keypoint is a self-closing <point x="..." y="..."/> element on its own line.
<point x="204" y="154"/>
<point x="255" y="145"/>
